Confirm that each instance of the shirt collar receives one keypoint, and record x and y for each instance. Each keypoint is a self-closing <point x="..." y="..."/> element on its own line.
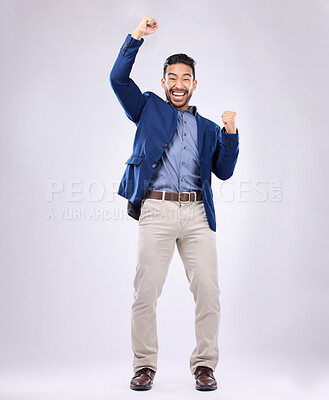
<point x="193" y="110"/>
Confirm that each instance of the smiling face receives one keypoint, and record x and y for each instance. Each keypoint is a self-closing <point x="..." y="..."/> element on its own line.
<point x="179" y="85"/>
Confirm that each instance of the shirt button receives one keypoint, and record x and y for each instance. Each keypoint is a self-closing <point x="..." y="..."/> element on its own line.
<point x="185" y="147"/>
<point x="182" y="179"/>
<point x="164" y="145"/>
<point x="183" y="163"/>
<point x="185" y="134"/>
<point x="185" y="122"/>
<point x="154" y="165"/>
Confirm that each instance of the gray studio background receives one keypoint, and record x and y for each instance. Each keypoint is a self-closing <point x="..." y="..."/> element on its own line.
<point x="68" y="248"/>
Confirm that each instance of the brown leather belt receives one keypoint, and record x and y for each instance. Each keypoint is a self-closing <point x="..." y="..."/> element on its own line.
<point x="182" y="197"/>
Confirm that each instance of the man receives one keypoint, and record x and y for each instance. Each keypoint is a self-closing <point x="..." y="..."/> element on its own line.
<point x="167" y="182"/>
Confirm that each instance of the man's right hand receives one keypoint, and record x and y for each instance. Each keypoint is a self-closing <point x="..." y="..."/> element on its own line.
<point x="146" y="26"/>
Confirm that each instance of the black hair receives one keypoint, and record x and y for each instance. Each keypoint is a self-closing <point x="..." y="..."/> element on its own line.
<point x="179" y="58"/>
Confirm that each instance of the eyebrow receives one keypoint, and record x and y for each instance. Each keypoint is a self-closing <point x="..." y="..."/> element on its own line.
<point x="171" y="73"/>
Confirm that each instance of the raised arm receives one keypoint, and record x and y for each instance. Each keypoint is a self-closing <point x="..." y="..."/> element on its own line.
<point x="226" y="153"/>
<point x="126" y="90"/>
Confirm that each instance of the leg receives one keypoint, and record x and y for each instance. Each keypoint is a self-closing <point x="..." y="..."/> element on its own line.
<point x="197" y="248"/>
<point x="156" y="245"/>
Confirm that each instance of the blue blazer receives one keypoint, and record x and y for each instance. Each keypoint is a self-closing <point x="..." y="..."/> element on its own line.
<point x="156" y="122"/>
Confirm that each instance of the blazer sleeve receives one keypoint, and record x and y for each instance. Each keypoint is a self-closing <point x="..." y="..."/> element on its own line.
<point x="126" y="90"/>
<point x="226" y="153"/>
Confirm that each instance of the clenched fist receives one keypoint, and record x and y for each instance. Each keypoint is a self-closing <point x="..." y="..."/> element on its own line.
<point x="228" y="118"/>
<point x="146" y="26"/>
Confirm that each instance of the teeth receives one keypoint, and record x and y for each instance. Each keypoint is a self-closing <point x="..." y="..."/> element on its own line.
<point x="178" y="94"/>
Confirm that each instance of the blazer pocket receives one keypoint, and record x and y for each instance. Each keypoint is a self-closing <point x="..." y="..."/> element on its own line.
<point x="135" y="160"/>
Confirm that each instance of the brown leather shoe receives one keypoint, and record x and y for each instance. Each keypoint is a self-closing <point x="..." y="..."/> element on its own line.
<point x="143" y="379"/>
<point x="204" y="379"/>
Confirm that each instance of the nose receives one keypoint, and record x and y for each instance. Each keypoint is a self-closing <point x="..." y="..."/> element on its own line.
<point x="179" y="85"/>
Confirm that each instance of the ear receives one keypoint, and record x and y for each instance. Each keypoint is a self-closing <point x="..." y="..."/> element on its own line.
<point x="195" y="82"/>
<point x="162" y="83"/>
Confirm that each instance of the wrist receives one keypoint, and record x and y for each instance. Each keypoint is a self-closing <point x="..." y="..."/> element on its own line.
<point x="136" y="34"/>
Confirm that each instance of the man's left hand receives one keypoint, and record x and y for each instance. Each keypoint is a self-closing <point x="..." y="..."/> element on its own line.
<point x="228" y="118"/>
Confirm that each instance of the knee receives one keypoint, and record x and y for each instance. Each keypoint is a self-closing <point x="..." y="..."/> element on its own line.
<point x="147" y="290"/>
<point x="205" y="288"/>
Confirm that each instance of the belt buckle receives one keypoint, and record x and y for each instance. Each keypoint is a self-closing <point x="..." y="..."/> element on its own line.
<point x="181" y="201"/>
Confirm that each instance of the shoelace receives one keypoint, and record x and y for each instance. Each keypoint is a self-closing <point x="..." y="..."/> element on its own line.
<point x="204" y="370"/>
<point x="143" y="371"/>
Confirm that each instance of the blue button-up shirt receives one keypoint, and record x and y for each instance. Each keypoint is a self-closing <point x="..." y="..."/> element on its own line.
<point x="179" y="169"/>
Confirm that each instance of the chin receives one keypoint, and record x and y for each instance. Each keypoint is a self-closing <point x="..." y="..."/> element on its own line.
<point x="179" y="104"/>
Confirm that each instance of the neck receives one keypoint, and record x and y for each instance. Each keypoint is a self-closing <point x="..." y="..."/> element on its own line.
<point x="186" y="107"/>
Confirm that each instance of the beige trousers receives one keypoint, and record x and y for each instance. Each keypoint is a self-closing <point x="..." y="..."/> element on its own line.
<point x="163" y="223"/>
